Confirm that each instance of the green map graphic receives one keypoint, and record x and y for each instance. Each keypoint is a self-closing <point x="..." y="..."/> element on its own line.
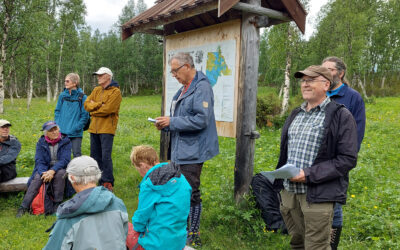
<point x="216" y="66"/>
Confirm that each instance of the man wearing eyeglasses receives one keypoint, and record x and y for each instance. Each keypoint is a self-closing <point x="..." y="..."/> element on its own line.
<point x="193" y="131"/>
<point x="342" y="93"/>
<point x="319" y="138"/>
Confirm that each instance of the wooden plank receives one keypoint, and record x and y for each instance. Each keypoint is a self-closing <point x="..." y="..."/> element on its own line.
<point x="164" y="136"/>
<point x="246" y="121"/>
<point x="297" y="12"/>
<point x="225" y="5"/>
<point x="225" y="31"/>
<point x="204" y="8"/>
<point x="14" y="185"/>
<point x="254" y="9"/>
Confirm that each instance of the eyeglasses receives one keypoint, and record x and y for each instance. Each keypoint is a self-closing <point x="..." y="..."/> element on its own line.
<point x="310" y="81"/>
<point x="175" y="71"/>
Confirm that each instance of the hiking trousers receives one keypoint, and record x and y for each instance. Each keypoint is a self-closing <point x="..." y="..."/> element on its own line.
<point x="309" y="224"/>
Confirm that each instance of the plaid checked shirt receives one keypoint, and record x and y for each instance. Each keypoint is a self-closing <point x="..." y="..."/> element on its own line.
<point x="304" y="139"/>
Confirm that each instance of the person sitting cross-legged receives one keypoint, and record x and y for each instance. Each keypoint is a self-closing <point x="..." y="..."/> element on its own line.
<point x="164" y="202"/>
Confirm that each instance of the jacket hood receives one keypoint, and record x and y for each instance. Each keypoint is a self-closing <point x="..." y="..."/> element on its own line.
<point x="89" y="201"/>
<point x="64" y="139"/>
<point x="163" y="178"/>
<point x="113" y="84"/>
<point x="73" y="92"/>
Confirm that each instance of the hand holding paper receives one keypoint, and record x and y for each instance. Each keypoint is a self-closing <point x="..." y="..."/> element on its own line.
<point x="287" y="171"/>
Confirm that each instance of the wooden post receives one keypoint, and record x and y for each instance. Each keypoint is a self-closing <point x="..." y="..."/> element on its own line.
<point x="247" y="99"/>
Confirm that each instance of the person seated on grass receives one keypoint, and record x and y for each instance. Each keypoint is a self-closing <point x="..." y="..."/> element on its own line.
<point x="94" y="218"/>
<point x="164" y="203"/>
<point x="53" y="153"/>
<point x="9" y="150"/>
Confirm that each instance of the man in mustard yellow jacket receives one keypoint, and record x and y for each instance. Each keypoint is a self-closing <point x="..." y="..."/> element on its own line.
<point x="103" y="105"/>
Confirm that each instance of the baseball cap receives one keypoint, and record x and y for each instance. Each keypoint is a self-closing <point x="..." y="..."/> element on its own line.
<point x="314" y="71"/>
<point x="49" y="125"/>
<point x="4" y="123"/>
<point x="103" y="70"/>
<point x="83" y="166"/>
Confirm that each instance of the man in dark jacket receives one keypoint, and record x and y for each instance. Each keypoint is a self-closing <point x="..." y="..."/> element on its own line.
<point x="9" y="150"/>
<point x="320" y="138"/>
<point x="343" y="94"/>
<point x="193" y="130"/>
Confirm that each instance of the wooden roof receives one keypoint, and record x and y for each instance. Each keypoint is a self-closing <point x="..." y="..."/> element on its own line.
<point x="174" y="16"/>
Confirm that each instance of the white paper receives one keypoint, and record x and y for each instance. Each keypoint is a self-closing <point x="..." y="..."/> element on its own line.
<point x="286" y="172"/>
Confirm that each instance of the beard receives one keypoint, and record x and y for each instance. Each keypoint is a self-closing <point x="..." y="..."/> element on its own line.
<point x="335" y="82"/>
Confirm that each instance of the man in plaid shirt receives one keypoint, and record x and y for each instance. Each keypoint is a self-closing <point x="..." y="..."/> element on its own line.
<point x="319" y="138"/>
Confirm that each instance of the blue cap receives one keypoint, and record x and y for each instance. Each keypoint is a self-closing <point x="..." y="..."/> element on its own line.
<point x="49" y="125"/>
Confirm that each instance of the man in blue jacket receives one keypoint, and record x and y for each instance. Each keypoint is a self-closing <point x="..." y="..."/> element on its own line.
<point x="193" y="130"/>
<point x="164" y="203"/>
<point x="319" y="138"/>
<point x="343" y="94"/>
<point x="9" y="150"/>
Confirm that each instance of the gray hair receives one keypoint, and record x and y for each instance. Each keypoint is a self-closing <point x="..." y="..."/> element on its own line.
<point x="74" y="78"/>
<point x="339" y="65"/>
<point x="84" y="169"/>
<point x="183" y="58"/>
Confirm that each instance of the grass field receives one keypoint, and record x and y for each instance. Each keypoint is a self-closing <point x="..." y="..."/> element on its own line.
<point x="371" y="217"/>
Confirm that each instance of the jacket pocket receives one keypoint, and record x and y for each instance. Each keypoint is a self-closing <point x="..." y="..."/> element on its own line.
<point x="188" y="148"/>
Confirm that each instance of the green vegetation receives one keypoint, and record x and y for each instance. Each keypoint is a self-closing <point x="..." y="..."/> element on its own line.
<point x="371" y="217"/>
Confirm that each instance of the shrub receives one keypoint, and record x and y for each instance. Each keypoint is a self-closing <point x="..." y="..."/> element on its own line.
<point x="268" y="107"/>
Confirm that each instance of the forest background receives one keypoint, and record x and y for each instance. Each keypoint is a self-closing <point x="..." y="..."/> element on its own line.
<point x="43" y="40"/>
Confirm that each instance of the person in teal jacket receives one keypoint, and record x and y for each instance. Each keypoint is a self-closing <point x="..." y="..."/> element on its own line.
<point x="164" y="202"/>
<point x="94" y="218"/>
<point x="70" y="113"/>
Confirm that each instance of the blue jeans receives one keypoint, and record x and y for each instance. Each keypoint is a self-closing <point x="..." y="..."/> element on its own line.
<point x="76" y="143"/>
<point x="337" y="215"/>
<point x="100" y="150"/>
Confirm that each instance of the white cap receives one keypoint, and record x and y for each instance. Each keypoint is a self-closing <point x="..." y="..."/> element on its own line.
<point x="4" y="123"/>
<point x="103" y="70"/>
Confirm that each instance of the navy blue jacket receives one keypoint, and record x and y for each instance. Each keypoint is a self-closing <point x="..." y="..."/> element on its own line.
<point x="353" y="102"/>
<point x="327" y="179"/>
<point x="70" y="113"/>
<point x="193" y="129"/>
<point x="43" y="157"/>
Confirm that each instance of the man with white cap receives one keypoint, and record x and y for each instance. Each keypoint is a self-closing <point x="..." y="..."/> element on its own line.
<point x="319" y="138"/>
<point x="9" y="150"/>
<point x="94" y="218"/>
<point x="103" y="105"/>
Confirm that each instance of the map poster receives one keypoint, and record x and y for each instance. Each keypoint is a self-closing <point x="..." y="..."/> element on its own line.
<point x="217" y="61"/>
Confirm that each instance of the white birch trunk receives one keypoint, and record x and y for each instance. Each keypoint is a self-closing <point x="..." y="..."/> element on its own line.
<point x="286" y="87"/>
<point x="48" y="88"/>
<point x="3" y="58"/>
<point x="59" y="67"/>
<point x="360" y="83"/>
<point x="30" y="91"/>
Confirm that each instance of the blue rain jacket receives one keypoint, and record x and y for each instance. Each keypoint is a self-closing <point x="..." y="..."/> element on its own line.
<point x="193" y="129"/>
<point x="70" y="113"/>
<point x="163" y="209"/>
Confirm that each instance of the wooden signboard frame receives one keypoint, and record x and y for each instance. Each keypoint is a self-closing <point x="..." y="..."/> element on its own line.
<point x="211" y="34"/>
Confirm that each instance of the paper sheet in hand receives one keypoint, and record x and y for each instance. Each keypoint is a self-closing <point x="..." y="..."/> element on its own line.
<point x="286" y="172"/>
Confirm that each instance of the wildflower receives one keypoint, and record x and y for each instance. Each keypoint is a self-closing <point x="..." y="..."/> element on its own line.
<point x="375" y="207"/>
<point x="353" y="196"/>
<point x="365" y="188"/>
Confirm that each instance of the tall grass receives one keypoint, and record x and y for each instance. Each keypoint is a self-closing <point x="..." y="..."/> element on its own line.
<point x="371" y="217"/>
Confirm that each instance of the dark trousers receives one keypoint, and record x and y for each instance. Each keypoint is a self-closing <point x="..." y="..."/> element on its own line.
<point x="58" y="184"/>
<point x="7" y="172"/>
<point x="192" y="174"/>
<point x="100" y="150"/>
<point x="76" y="143"/>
